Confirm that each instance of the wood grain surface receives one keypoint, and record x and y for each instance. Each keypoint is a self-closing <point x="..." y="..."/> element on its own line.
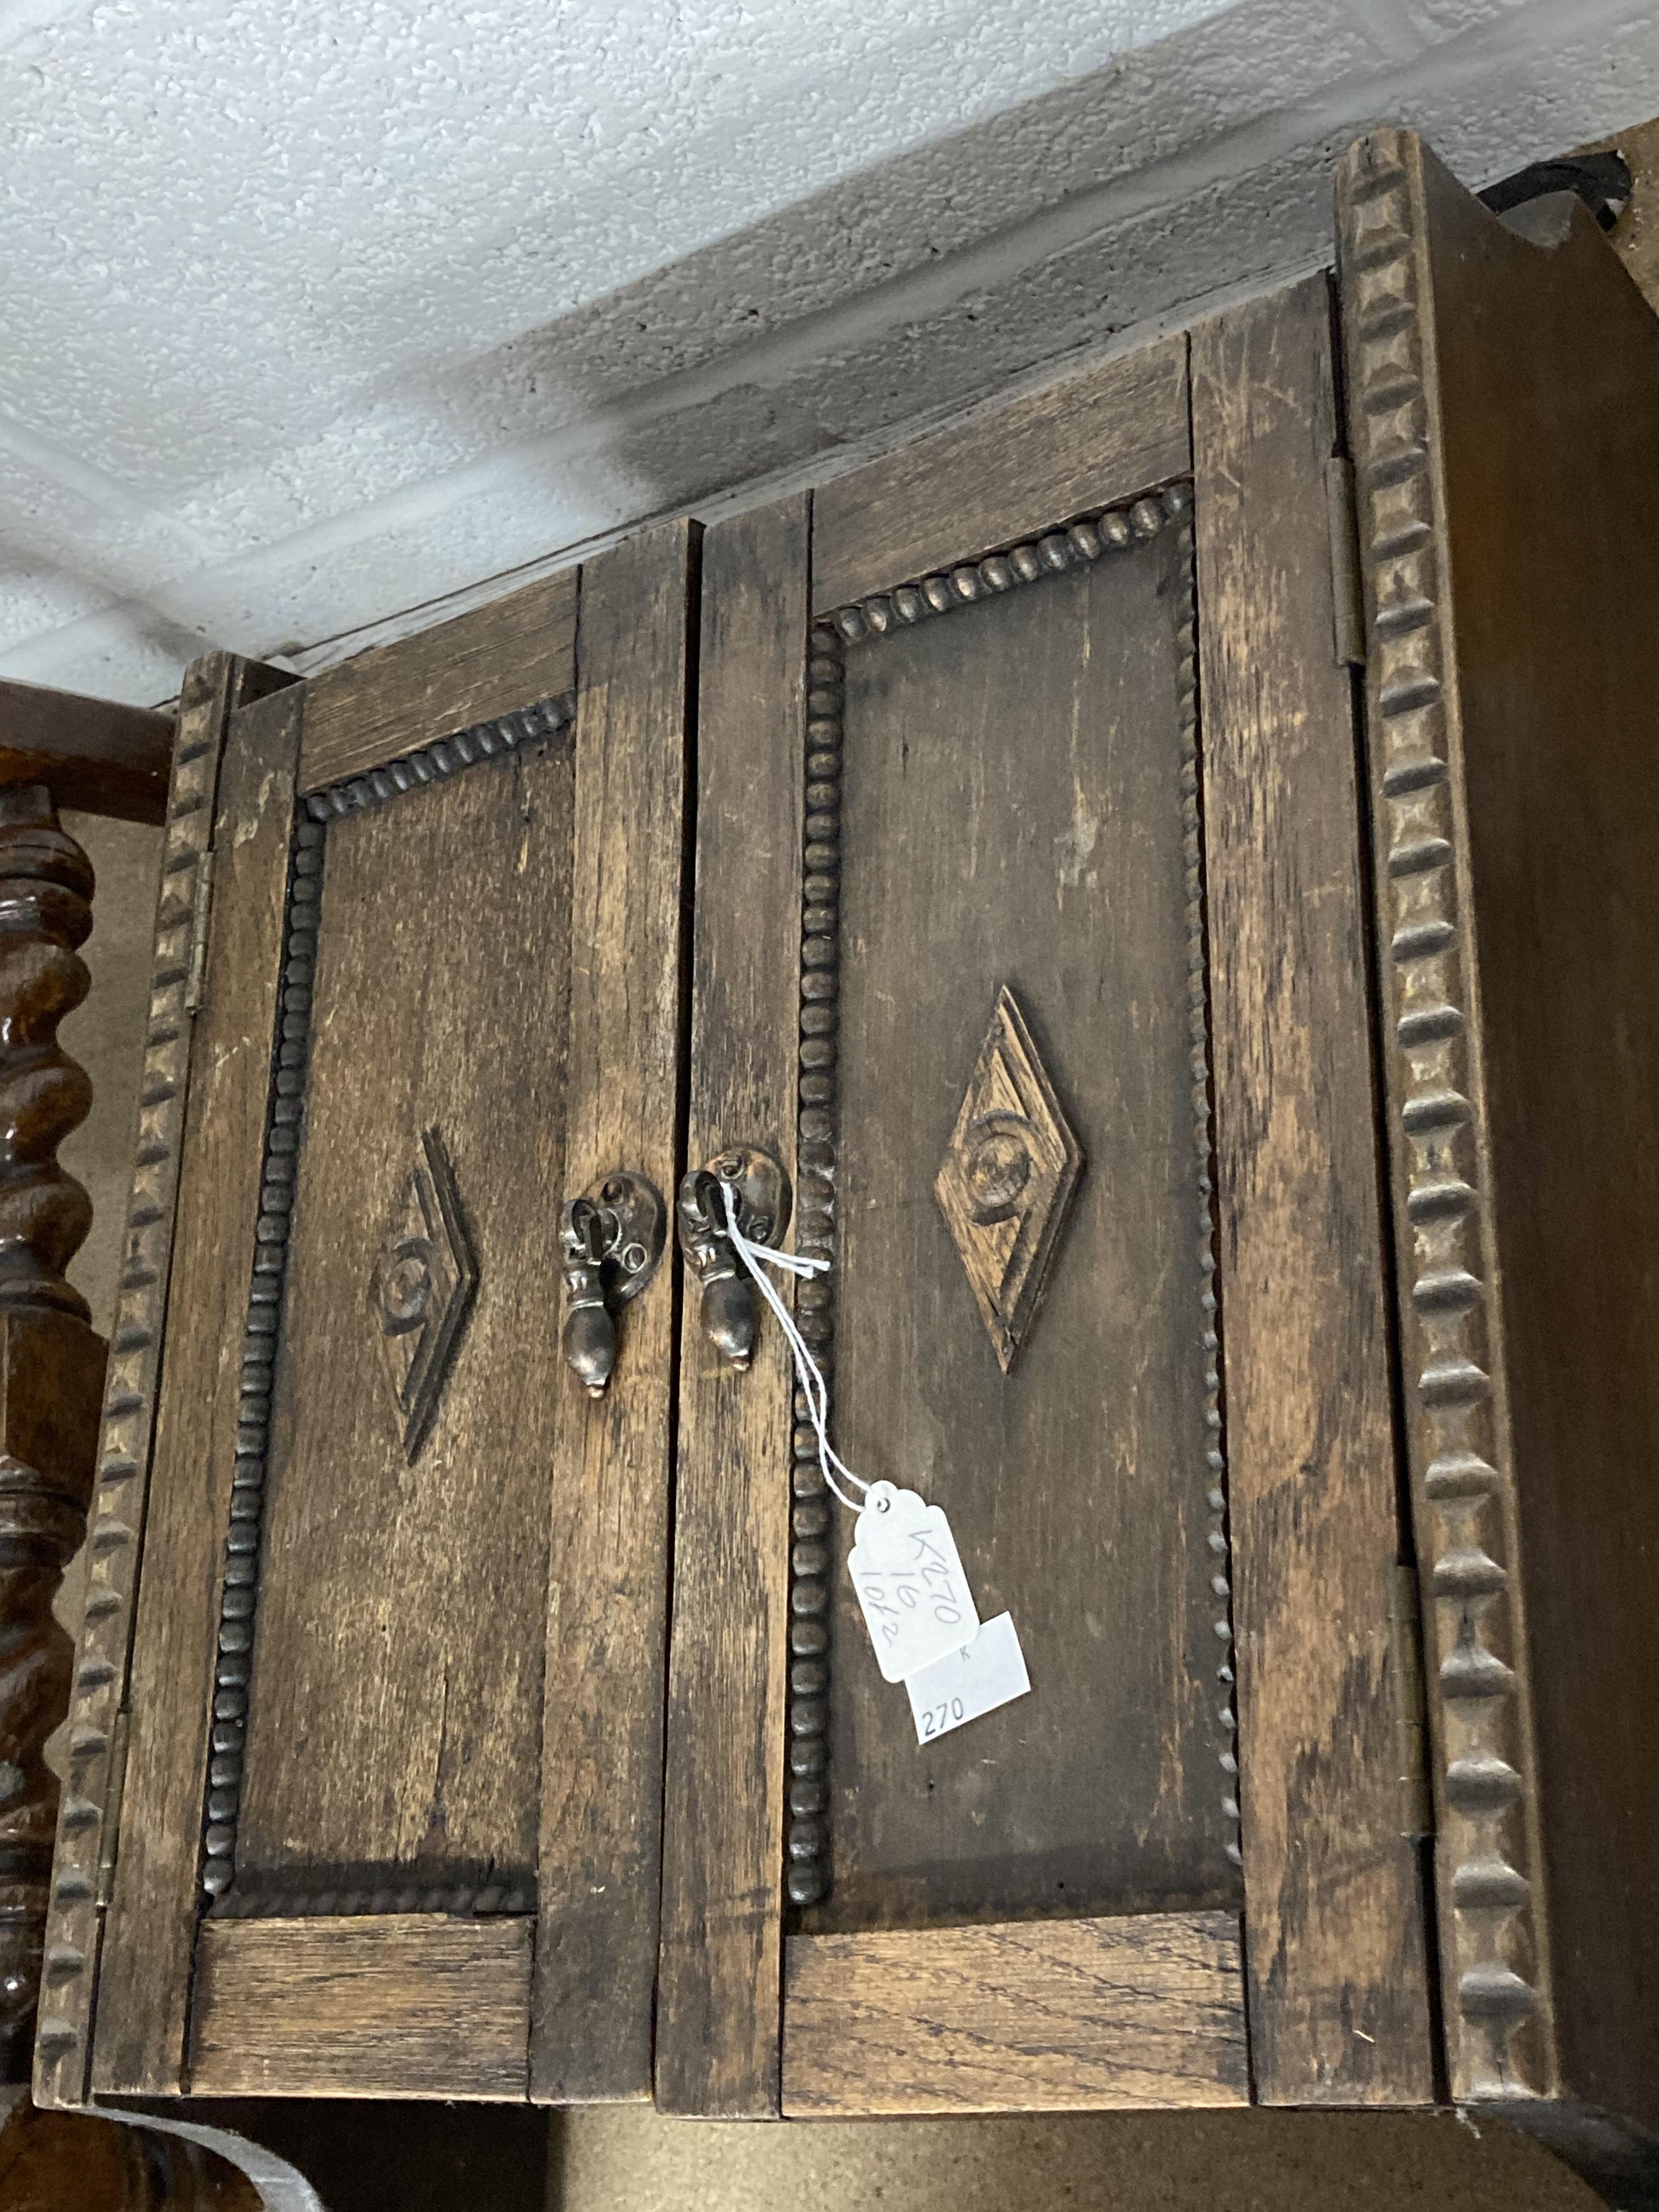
<point x="409" y="2005"/>
<point x="145" y="1977"/>
<point x="607" y="1588"/>
<point x="1075" y="2015"/>
<point x="1101" y="434"/>
<point x="1012" y="816"/>
<point x="1504" y="400"/>
<point x="1339" y="2004"/>
<point x="96" y="754"/>
<point x="1549" y="421"/>
<point x="393" y="698"/>
<point x="395" y="1713"/>
<point x="718" y="2006"/>
<point x="211" y="689"/>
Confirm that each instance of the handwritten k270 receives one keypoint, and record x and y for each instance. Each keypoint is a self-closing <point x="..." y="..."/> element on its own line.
<point x="910" y="1582"/>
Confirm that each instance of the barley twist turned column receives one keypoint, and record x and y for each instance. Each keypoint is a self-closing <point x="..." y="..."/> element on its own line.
<point x="50" y="1363"/>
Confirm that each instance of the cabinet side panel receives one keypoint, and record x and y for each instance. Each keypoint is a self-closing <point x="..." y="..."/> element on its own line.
<point x="1334" y="1923"/>
<point x="717" y="2031"/>
<point x="1489" y="1872"/>
<point x="1548" y="362"/>
<point x="144" y="1984"/>
<point x="607" y="1611"/>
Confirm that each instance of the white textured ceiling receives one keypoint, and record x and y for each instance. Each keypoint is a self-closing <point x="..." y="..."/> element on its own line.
<point x="318" y="309"/>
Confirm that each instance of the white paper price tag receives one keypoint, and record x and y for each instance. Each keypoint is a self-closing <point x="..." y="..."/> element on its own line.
<point x="908" y="1577"/>
<point x="973" y="1680"/>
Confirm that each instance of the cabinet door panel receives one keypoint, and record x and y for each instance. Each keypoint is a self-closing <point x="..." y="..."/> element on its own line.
<point x="401" y="1637"/>
<point x="1018" y="791"/>
<point x="389" y="1741"/>
<point x="1006" y="1146"/>
<point x="1002" y="1145"/>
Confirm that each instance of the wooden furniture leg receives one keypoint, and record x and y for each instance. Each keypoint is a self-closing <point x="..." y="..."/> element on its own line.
<point x="113" y="760"/>
<point x="51" y="1363"/>
<point x="51" y="2161"/>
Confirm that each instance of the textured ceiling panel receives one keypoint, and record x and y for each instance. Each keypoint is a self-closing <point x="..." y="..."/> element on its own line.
<point x="319" y="310"/>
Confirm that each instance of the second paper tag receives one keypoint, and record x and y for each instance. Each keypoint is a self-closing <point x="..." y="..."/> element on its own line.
<point x="967" y="1683"/>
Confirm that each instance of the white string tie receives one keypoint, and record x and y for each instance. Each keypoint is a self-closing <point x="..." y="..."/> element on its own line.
<point x="814" y="1388"/>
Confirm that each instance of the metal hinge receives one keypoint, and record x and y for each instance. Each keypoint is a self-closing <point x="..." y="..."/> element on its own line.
<point x="110" y="1838"/>
<point x="1411" y="1717"/>
<point x="196" y="988"/>
<point x="1347" y="601"/>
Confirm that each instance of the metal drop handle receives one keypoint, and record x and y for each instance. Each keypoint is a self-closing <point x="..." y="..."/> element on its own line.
<point x="610" y="1242"/>
<point x="730" y="1304"/>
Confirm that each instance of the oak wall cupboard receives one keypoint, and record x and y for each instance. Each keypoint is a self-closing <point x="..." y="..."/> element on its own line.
<point x="1152" y="884"/>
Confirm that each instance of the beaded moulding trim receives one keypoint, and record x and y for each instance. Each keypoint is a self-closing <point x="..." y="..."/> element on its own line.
<point x="233" y="1662"/>
<point x="447" y="758"/>
<point x="380" y="1889"/>
<point x="1073" y="545"/>
<point x="1499" y="2017"/>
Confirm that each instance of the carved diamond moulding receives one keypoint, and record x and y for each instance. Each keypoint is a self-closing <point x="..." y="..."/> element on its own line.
<point x="1008" y="1178"/>
<point x="422" y="1289"/>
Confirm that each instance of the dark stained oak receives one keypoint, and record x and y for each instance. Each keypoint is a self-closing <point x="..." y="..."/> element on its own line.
<point x="212" y="689"/>
<point x="1071" y="2015"/>
<point x="46" y="915"/>
<point x="51" y="1368"/>
<point x="415" y="1581"/>
<point x="72" y="2162"/>
<point x="94" y="754"/>
<point x="1103" y="434"/>
<point x="1504" y="404"/>
<point x="1019" y="898"/>
<point x="606" y="1606"/>
<point x="398" y="2006"/>
<point x="1012" y="817"/>
<point x="395" y="1717"/>
<point x="718" y="2005"/>
<point x="394" y="698"/>
<point x="1338" y="1975"/>
<point x="145" y="1981"/>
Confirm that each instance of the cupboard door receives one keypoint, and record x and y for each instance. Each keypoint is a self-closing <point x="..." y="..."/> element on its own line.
<point x="392" y="1816"/>
<point x="1019" y="1123"/>
<point x="986" y="736"/>
<point x="1504" y="383"/>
